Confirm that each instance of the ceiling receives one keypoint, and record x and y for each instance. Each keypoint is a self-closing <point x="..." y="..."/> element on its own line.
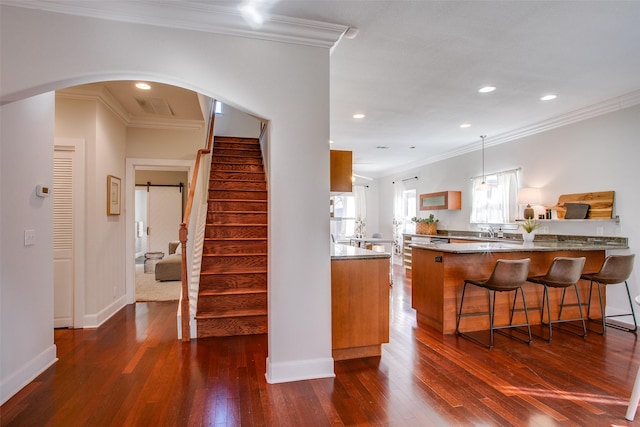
<point x="415" y="67"/>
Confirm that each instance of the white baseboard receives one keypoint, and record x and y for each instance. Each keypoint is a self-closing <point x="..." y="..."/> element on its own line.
<point x="95" y="320"/>
<point x="26" y="373"/>
<point x="299" y="370"/>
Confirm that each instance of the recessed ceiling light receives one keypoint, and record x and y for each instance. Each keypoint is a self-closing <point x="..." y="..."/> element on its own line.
<point x="465" y="125"/>
<point x="143" y="86"/>
<point x="358" y="116"/>
<point x="382" y="147"/>
<point x="548" y="97"/>
<point x="487" y="89"/>
<point x="331" y="141"/>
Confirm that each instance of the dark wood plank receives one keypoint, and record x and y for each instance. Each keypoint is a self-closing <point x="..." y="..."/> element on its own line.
<point x="134" y="371"/>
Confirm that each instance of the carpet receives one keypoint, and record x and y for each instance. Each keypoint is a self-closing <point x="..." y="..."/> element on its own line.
<point x="148" y="289"/>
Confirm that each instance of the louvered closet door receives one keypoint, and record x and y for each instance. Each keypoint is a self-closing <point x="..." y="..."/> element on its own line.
<point x="63" y="262"/>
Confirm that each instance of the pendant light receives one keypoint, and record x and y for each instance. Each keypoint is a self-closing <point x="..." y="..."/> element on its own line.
<point x="483" y="184"/>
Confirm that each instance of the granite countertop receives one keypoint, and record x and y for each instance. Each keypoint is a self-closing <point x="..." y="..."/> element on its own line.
<point x="345" y="252"/>
<point x="518" y="246"/>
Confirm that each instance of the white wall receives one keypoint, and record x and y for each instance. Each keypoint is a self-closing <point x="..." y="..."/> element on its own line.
<point x="63" y="51"/>
<point x="26" y="272"/>
<point x="597" y="154"/>
<point x="105" y="137"/>
<point x="236" y="123"/>
<point x="178" y="144"/>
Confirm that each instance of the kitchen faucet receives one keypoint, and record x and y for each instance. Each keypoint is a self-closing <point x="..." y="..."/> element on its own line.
<point x="491" y="231"/>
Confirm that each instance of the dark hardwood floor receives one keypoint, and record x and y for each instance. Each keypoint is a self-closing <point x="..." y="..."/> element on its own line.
<point x="133" y="371"/>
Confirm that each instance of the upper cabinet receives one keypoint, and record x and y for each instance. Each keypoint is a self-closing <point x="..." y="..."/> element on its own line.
<point x="341" y="171"/>
<point x="441" y="200"/>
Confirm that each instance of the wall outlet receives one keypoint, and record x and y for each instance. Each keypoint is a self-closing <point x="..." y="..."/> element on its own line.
<point x="29" y="237"/>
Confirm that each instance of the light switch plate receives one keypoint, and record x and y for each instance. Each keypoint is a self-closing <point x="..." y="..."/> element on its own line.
<point x="29" y="237"/>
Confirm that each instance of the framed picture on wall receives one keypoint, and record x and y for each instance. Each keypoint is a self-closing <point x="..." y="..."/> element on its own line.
<point x="113" y="195"/>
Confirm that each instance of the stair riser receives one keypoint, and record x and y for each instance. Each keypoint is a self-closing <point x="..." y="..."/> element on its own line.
<point x="238" y="145"/>
<point x="246" y="152"/>
<point x="233" y="281"/>
<point x="230" y="327"/>
<point x="215" y="184"/>
<point x="215" y="303"/>
<point x="235" y="167"/>
<point x="238" y="205"/>
<point x="219" y="264"/>
<point x="221" y="247"/>
<point x="238" y="160"/>
<point x="235" y="139"/>
<point x="236" y="194"/>
<point x="239" y="175"/>
<point x="236" y="218"/>
<point x="235" y="231"/>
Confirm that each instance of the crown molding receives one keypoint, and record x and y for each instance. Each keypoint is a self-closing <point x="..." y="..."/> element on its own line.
<point x="609" y="106"/>
<point x="198" y="16"/>
<point x="96" y="94"/>
<point x="103" y="96"/>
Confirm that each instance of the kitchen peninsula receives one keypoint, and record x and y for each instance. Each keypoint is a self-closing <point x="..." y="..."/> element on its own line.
<point x="439" y="271"/>
<point x="359" y="301"/>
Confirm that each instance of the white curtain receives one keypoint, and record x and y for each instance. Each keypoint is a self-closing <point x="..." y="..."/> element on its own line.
<point x="497" y="201"/>
<point x="398" y="213"/>
<point x="361" y="210"/>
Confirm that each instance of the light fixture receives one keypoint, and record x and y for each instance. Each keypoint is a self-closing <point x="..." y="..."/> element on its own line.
<point x="143" y="85"/>
<point x="548" y="97"/>
<point x="529" y="196"/>
<point x="483" y="184"/>
<point x="465" y="125"/>
<point x="487" y="89"/>
<point x="358" y="116"/>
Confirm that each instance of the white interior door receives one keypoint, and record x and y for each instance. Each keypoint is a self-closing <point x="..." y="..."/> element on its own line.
<point x="63" y="258"/>
<point x="165" y="215"/>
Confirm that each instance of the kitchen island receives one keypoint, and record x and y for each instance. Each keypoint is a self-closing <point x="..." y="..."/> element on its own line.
<point x="359" y="301"/>
<point x="439" y="271"/>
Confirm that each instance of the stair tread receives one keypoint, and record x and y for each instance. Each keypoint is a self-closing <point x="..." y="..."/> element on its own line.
<point x="232" y="291"/>
<point x="237" y="224"/>
<point x="239" y="239"/>
<point x="235" y="271"/>
<point x="237" y="255"/>
<point x="230" y="313"/>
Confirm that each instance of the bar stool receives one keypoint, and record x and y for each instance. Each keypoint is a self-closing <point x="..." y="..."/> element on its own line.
<point x="563" y="273"/>
<point x="507" y="275"/>
<point x="615" y="269"/>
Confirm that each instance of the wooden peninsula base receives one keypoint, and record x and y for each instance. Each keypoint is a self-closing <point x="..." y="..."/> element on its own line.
<point x="359" y="302"/>
<point x="439" y="272"/>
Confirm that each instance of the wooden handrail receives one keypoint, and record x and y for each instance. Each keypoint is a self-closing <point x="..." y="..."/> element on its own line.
<point x="184" y="229"/>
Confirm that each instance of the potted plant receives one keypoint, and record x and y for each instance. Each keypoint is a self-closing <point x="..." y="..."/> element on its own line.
<point x="529" y="226"/>
<point x="426" y="225"/>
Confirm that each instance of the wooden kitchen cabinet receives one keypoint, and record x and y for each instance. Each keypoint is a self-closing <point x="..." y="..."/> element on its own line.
<point x="341" y="171"/>
<point x="441" y="200"/>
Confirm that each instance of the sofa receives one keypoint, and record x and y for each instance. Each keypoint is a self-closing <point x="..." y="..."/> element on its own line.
<point x="170" y="267"/>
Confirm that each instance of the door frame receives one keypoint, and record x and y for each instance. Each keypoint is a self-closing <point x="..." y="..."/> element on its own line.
<point x="79" y="220"/>
<point x="131" y="165"/>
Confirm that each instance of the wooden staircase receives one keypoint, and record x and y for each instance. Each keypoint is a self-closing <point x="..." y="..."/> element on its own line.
<point x="232" y="299"/>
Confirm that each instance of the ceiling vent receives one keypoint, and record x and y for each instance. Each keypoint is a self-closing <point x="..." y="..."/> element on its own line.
<point x="155" y="106"/>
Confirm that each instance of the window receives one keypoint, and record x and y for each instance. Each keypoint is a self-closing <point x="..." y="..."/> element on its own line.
<point x="218" y="108"/>
<point x="497" y="201"/>
<point x="409" y="204"/>
<point x="344" y="216"/>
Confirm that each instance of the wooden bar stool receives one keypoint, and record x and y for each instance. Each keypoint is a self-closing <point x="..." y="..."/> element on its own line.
<point x="507" y="276"/>
<point x="615" y="269"/>
<point x="563" y="273"/>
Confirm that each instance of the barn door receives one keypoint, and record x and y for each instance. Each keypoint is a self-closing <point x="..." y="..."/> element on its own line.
<point x="165" y="215"/>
